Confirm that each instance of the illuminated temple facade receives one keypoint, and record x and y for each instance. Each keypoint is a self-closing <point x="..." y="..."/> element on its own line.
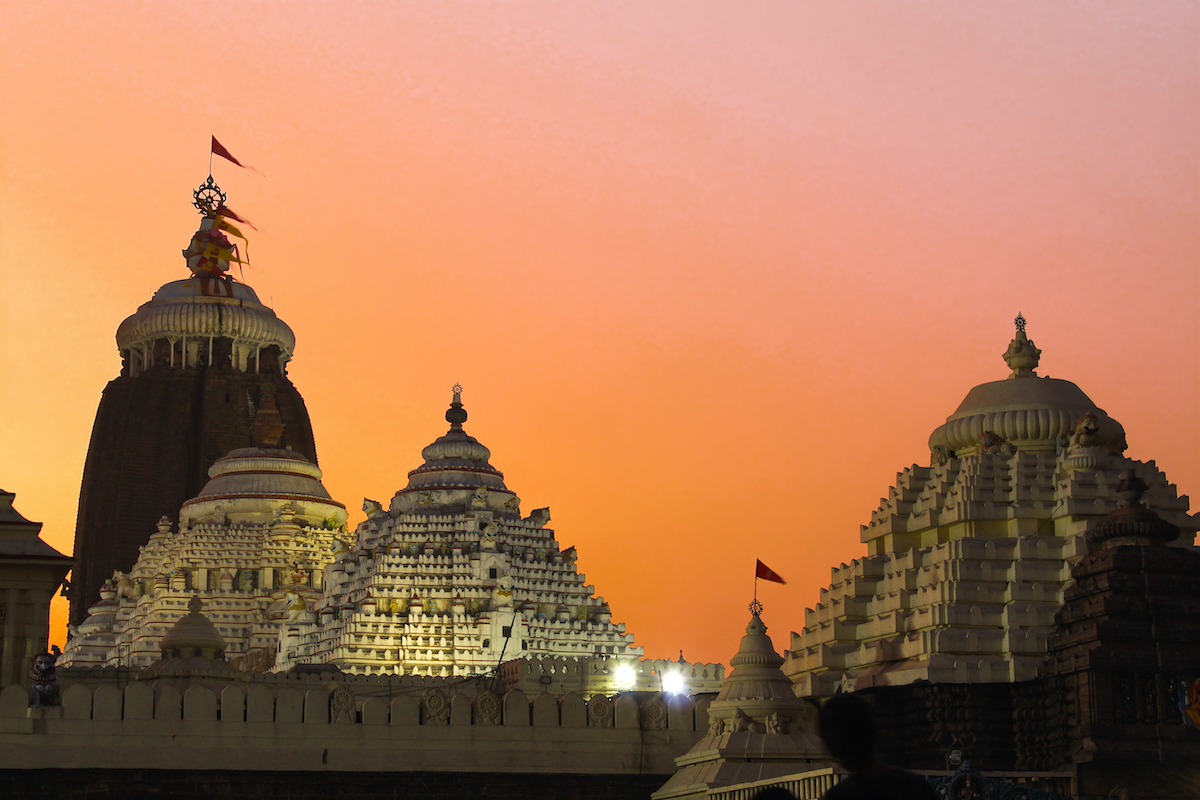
<point x="452" y="580"/>
<point x="252" y="544"/>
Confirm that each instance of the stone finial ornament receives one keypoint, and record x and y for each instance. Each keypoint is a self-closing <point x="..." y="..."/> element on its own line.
<point x="267" y="428"/>
<point x="1132" y="523"/>
<point x="456" y="415"/>
<point x="1022" y="355"/>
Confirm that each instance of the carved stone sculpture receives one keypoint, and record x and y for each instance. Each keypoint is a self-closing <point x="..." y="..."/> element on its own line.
<point x="43" y="680"/>
<point x="738" y="723"/>
<point x="372" y="508"/>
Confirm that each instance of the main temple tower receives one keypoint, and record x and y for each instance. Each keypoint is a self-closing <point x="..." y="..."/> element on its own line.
<point x="196" y="361"/>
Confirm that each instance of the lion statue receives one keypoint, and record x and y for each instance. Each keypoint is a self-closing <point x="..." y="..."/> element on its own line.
<point x="43" y="680"/>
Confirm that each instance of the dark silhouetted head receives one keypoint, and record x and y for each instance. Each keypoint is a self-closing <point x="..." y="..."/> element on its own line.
<point x="849" y="731"/>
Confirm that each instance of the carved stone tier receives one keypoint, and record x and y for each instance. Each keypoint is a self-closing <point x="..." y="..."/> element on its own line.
<point x="451" y="581"/>
<point x="187" y="316"/>
<point x="969" y="557"/>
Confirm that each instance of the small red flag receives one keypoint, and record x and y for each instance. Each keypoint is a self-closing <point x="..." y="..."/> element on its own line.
<point x="219" y="149"/>
<point x="767" y="574"/>
<point x="225" y="212"/>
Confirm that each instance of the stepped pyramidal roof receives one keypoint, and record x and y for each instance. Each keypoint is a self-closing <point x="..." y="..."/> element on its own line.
<point x="969" y="557"/>
<point x="451" y="579"/>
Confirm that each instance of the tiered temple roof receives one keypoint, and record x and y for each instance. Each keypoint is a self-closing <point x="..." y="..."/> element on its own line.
<point x="969" y="557"/>
<point x="452" y="580"/>
<point x="252" y="544"/>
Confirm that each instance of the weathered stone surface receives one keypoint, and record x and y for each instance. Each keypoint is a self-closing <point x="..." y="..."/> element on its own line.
<point x="154" y="438"/>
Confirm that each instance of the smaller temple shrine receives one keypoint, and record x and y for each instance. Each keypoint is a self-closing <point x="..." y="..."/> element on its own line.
<point x="758" y="730"/>
<point x="253" y="544"/>
<point x="31" y="571"/>
<point x="451" y="580"/>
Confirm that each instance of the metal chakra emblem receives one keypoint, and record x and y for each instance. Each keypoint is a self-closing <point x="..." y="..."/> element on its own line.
<point x="755" y="607"/>
<point x="1020" y="321"/>
<point x="208" y="197"/>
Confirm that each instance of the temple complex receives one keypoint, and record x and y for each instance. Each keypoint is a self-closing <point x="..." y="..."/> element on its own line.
<point x="451" y="580"/>
<point x="252" y="544"/>
<point x="197" y="360"/>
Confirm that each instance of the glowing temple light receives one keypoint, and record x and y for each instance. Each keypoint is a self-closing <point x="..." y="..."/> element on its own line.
<point x="625" y="676"/>
<point x="673" y="683"/>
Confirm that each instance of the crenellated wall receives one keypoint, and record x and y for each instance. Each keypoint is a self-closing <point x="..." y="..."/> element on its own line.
<point x="351" y="723"/>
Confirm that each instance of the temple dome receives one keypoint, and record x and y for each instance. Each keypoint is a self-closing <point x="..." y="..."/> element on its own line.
<point x="456" y="460"/>
<point x="193" y="635"/>
<point x="1029" y="412"/>
<point x="203" y="307"/>
<point x="251" y="484"/>
<point x="456" y="473"/>
<point x="193" y="648"/>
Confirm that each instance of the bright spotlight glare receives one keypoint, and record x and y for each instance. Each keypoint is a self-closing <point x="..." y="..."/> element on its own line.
<point x="673" y="683"/>
<point x="625" y="676"/>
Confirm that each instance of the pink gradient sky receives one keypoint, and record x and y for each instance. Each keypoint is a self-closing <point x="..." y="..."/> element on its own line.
<point x="710" y="273"/>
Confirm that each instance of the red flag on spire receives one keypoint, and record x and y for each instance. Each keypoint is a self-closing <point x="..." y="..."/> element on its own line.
<point x="219" y="149"/>
<point x="224" y="212"/>
<point x="767" y="574"/>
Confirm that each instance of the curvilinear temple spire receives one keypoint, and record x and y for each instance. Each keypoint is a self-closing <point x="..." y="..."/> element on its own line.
<point x="196" y="362"/>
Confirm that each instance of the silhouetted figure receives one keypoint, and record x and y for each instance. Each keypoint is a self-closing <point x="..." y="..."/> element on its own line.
<point x="849" y="731"/>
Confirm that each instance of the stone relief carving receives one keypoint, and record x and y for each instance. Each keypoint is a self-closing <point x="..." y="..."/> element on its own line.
<point x="487" y="708"/>
<point x="488" y="541"/>
<point x="342" y="705"/>
<point x="435" y="709"/>
<point x="654" y="714"/>
<point x="738" y="723"/>
<point x="600" y="712"/>
<point x="776" y="723"/>
<point x="715" y="726"/>
<point x="480" y="500"/>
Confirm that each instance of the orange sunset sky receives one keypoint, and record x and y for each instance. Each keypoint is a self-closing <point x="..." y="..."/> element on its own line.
<point x="709" y="272"/>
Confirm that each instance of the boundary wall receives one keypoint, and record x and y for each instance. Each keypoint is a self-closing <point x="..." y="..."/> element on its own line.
<point x="324" y="726"/>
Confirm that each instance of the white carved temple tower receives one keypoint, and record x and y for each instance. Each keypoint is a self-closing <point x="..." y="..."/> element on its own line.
<point x="451" y="580"/>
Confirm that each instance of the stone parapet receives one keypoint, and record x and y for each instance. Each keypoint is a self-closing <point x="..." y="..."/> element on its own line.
<point x="323" y="724"/>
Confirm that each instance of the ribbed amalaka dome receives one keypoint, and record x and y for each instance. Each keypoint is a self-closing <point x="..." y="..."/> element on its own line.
<point x="1029" y="412"/>
<point x="193" y="635"/>
<point x="253" y="481"/>
<point x="203" y="307"/>
<point x="456" y="460"/>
